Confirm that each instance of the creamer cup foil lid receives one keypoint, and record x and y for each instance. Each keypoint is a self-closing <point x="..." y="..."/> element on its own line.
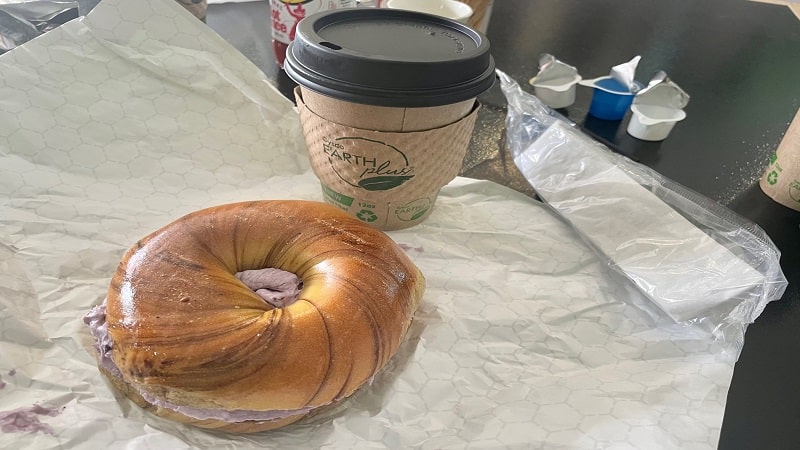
<point x="662" y="91"/>
<point x="555" y="74"/>
<point x="624" y="74"/>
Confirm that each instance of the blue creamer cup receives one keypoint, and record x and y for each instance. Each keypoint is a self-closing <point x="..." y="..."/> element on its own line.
<point x="611" y="99"/>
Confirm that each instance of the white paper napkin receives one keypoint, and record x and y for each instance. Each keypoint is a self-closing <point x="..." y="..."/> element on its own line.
<point x="114" y="125"/>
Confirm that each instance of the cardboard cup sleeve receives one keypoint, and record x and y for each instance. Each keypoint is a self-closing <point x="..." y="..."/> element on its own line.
<point x="781" y="179"/>
<point x="389" y="180"/>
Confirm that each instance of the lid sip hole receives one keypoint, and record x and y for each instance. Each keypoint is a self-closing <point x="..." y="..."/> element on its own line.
<point x="330" y="45"/>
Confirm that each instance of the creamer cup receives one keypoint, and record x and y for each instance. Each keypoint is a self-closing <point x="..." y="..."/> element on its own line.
<point x="451" y="9"/>
<point x="555" y="82"/>
<point x="657" y="108"/>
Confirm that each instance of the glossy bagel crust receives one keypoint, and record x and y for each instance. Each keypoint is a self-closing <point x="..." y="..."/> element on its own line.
<point x="186" y="331"/>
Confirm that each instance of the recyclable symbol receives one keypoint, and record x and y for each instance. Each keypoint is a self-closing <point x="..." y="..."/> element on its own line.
<point x="772" y="178"/>
<point x="367" y="215"/>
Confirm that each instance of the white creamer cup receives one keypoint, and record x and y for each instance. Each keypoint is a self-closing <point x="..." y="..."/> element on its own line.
<point x="653" y="123"/>
<point x="557" y="93"/>
<point x="450" y="9"/>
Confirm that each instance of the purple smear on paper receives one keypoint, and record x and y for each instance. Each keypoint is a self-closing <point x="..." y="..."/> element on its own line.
<point x="11" y="373"/>
<point x="26" y="419"/>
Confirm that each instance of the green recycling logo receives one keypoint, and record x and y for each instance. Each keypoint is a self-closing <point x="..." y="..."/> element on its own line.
<point x="772" y="178"/>
<point x="367" y="215"/>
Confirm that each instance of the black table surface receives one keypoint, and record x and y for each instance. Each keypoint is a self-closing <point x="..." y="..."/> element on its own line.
<point x="739" y="60"/>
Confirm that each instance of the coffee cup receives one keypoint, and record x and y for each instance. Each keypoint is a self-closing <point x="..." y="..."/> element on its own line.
<point x="388" y="102"/>
<point x="781" y="179"/>
<point x="452" y="9"/>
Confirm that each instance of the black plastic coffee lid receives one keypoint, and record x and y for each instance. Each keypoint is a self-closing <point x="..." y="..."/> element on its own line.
<point x="389" y="57"/>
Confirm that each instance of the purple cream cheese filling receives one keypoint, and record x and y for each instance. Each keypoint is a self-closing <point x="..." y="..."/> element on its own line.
<point x="277" y="287"/>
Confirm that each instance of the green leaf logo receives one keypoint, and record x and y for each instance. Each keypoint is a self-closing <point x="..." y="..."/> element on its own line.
<point x="418" y="214"/>
<point x="414" y="210"/>
<point x="367" y="164"/>
<point x="383" y="183"/>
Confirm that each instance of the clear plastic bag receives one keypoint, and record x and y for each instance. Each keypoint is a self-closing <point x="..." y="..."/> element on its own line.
<point x="23" y="21"/>
<point x="699" y="262"/>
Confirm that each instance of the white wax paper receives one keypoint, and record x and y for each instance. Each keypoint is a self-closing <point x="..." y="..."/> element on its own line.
<point x="116" y="124"/>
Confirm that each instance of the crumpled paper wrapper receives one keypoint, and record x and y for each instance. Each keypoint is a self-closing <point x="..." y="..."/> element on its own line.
<point x="662" y="91"/>
<point x="116" y="124"/>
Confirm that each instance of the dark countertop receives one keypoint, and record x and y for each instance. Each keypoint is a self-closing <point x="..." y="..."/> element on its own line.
<point x="737" y="59"/>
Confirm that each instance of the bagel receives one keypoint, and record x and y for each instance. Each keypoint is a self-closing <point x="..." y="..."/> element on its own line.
<point x="182" y="335"/>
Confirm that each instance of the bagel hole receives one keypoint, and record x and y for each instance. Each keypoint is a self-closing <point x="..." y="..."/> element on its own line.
<point x="278" y="288"/>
